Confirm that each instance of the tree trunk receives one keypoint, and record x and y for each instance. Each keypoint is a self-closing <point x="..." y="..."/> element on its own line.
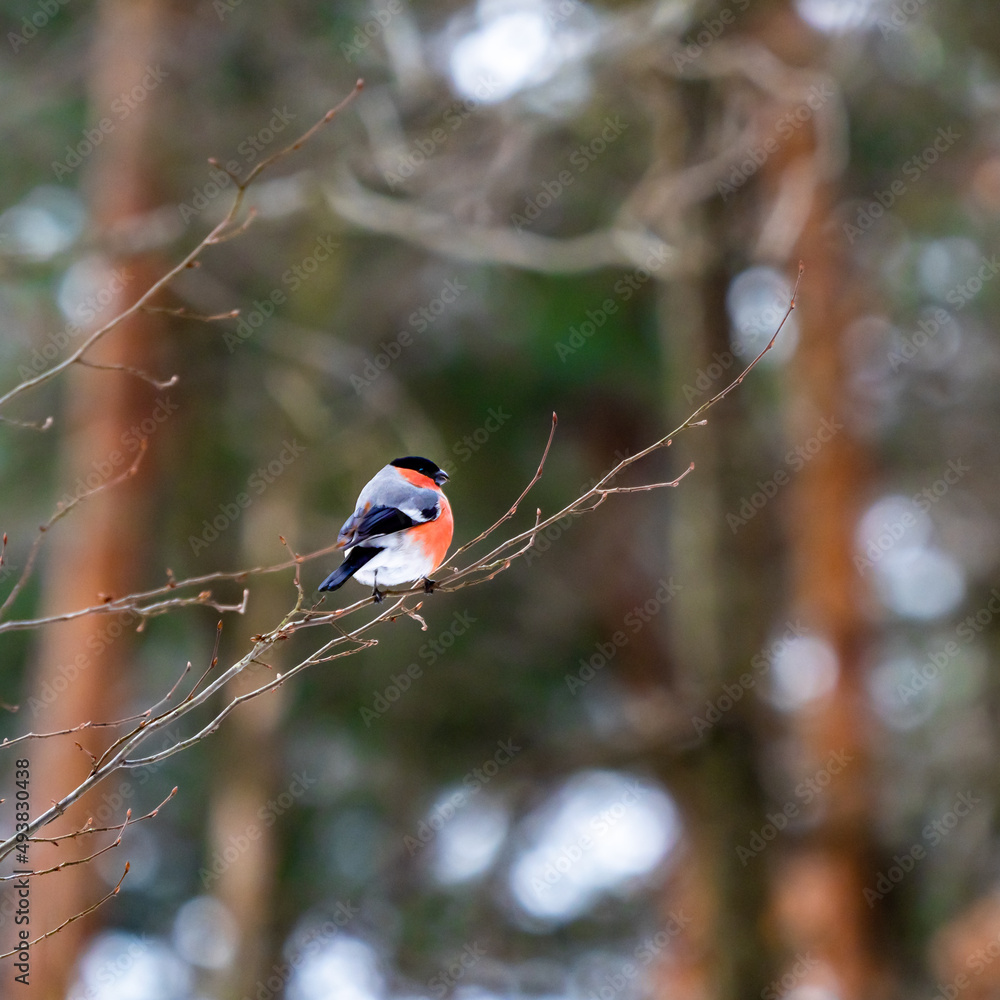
<point x="100" y="547"/>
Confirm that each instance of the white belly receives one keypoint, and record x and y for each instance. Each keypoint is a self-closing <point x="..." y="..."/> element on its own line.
<point x="394" y="567"/>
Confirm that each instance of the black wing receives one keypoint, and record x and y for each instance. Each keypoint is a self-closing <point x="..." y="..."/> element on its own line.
<point x="356" y="558"/>
<point x="375" y="521"/>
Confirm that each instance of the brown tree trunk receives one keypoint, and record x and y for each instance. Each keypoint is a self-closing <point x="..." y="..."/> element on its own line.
<point x="817" y="906"/>
<point x="82" y="667"/>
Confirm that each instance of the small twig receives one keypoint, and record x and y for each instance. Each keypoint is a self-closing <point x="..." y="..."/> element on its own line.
<point x="132" y="601"/>
<point x="238" y="230"/>
<point x="61" y="512"/>
<point x="145" y="376"/>
<point x="513" y="510"/>
<point x="177" y="684"/>
<point x="75" y="861"/>
<point x="753" y="364"/>
<point x="297" y="559"/>
<point x="306" y="136"/>
<point x="77" y="916"/>
<point x="86" y="829"/>
<point x="29" y="425"/>
<point x="212" y="665"/>
<point x="74" y="729"/>
<point x="648" y="486"/>
<point x="128" y="604"/>
<point x="187" y="314"/>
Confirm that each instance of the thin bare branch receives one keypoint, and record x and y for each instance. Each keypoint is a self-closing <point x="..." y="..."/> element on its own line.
<point x="306" y="136"/>
<point x="86" y="829"/>
<point x="187" y="314"/>
<point x="648" y="486"/>
<point x="76" y="916"/>
<point x="133" y="602"/>
<point x="513" y="510"/>
<point x="29" y="425"/>
<point x="61" y="511"/>
<point x="74" y="861"/>
<point x="190" y="260"/>
<point x="145" y="376"/>
<point x="66" y="732"/>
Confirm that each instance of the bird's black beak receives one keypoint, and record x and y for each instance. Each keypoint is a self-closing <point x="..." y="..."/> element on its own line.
<point x="440" y="477"/>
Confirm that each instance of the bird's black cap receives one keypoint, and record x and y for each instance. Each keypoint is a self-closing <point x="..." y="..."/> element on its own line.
<point x="422" y="465"/>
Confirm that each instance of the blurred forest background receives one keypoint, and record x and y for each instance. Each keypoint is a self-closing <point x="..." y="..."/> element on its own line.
<point x="737" y="739"/>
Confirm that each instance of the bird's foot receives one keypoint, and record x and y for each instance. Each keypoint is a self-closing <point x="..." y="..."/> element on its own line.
<point x="377" y="596"/>
<point x="429" y="585"/>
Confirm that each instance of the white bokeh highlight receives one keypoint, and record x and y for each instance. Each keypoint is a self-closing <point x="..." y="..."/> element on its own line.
<point x="804" y="670"/>
<point x="601" y="830"/>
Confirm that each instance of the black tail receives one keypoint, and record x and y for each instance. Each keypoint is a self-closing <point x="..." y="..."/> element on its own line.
<point x="356" y="558"/>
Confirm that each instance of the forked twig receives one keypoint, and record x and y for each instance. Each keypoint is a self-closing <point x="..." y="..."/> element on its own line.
<point x="61" y="511"/>
<point x="76" y="916"/>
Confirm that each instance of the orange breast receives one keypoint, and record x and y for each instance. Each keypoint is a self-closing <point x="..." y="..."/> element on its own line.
<point x="434" y="537"/>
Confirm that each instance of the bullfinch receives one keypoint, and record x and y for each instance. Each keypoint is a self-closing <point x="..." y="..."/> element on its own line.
<point x="400" y="530"/>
